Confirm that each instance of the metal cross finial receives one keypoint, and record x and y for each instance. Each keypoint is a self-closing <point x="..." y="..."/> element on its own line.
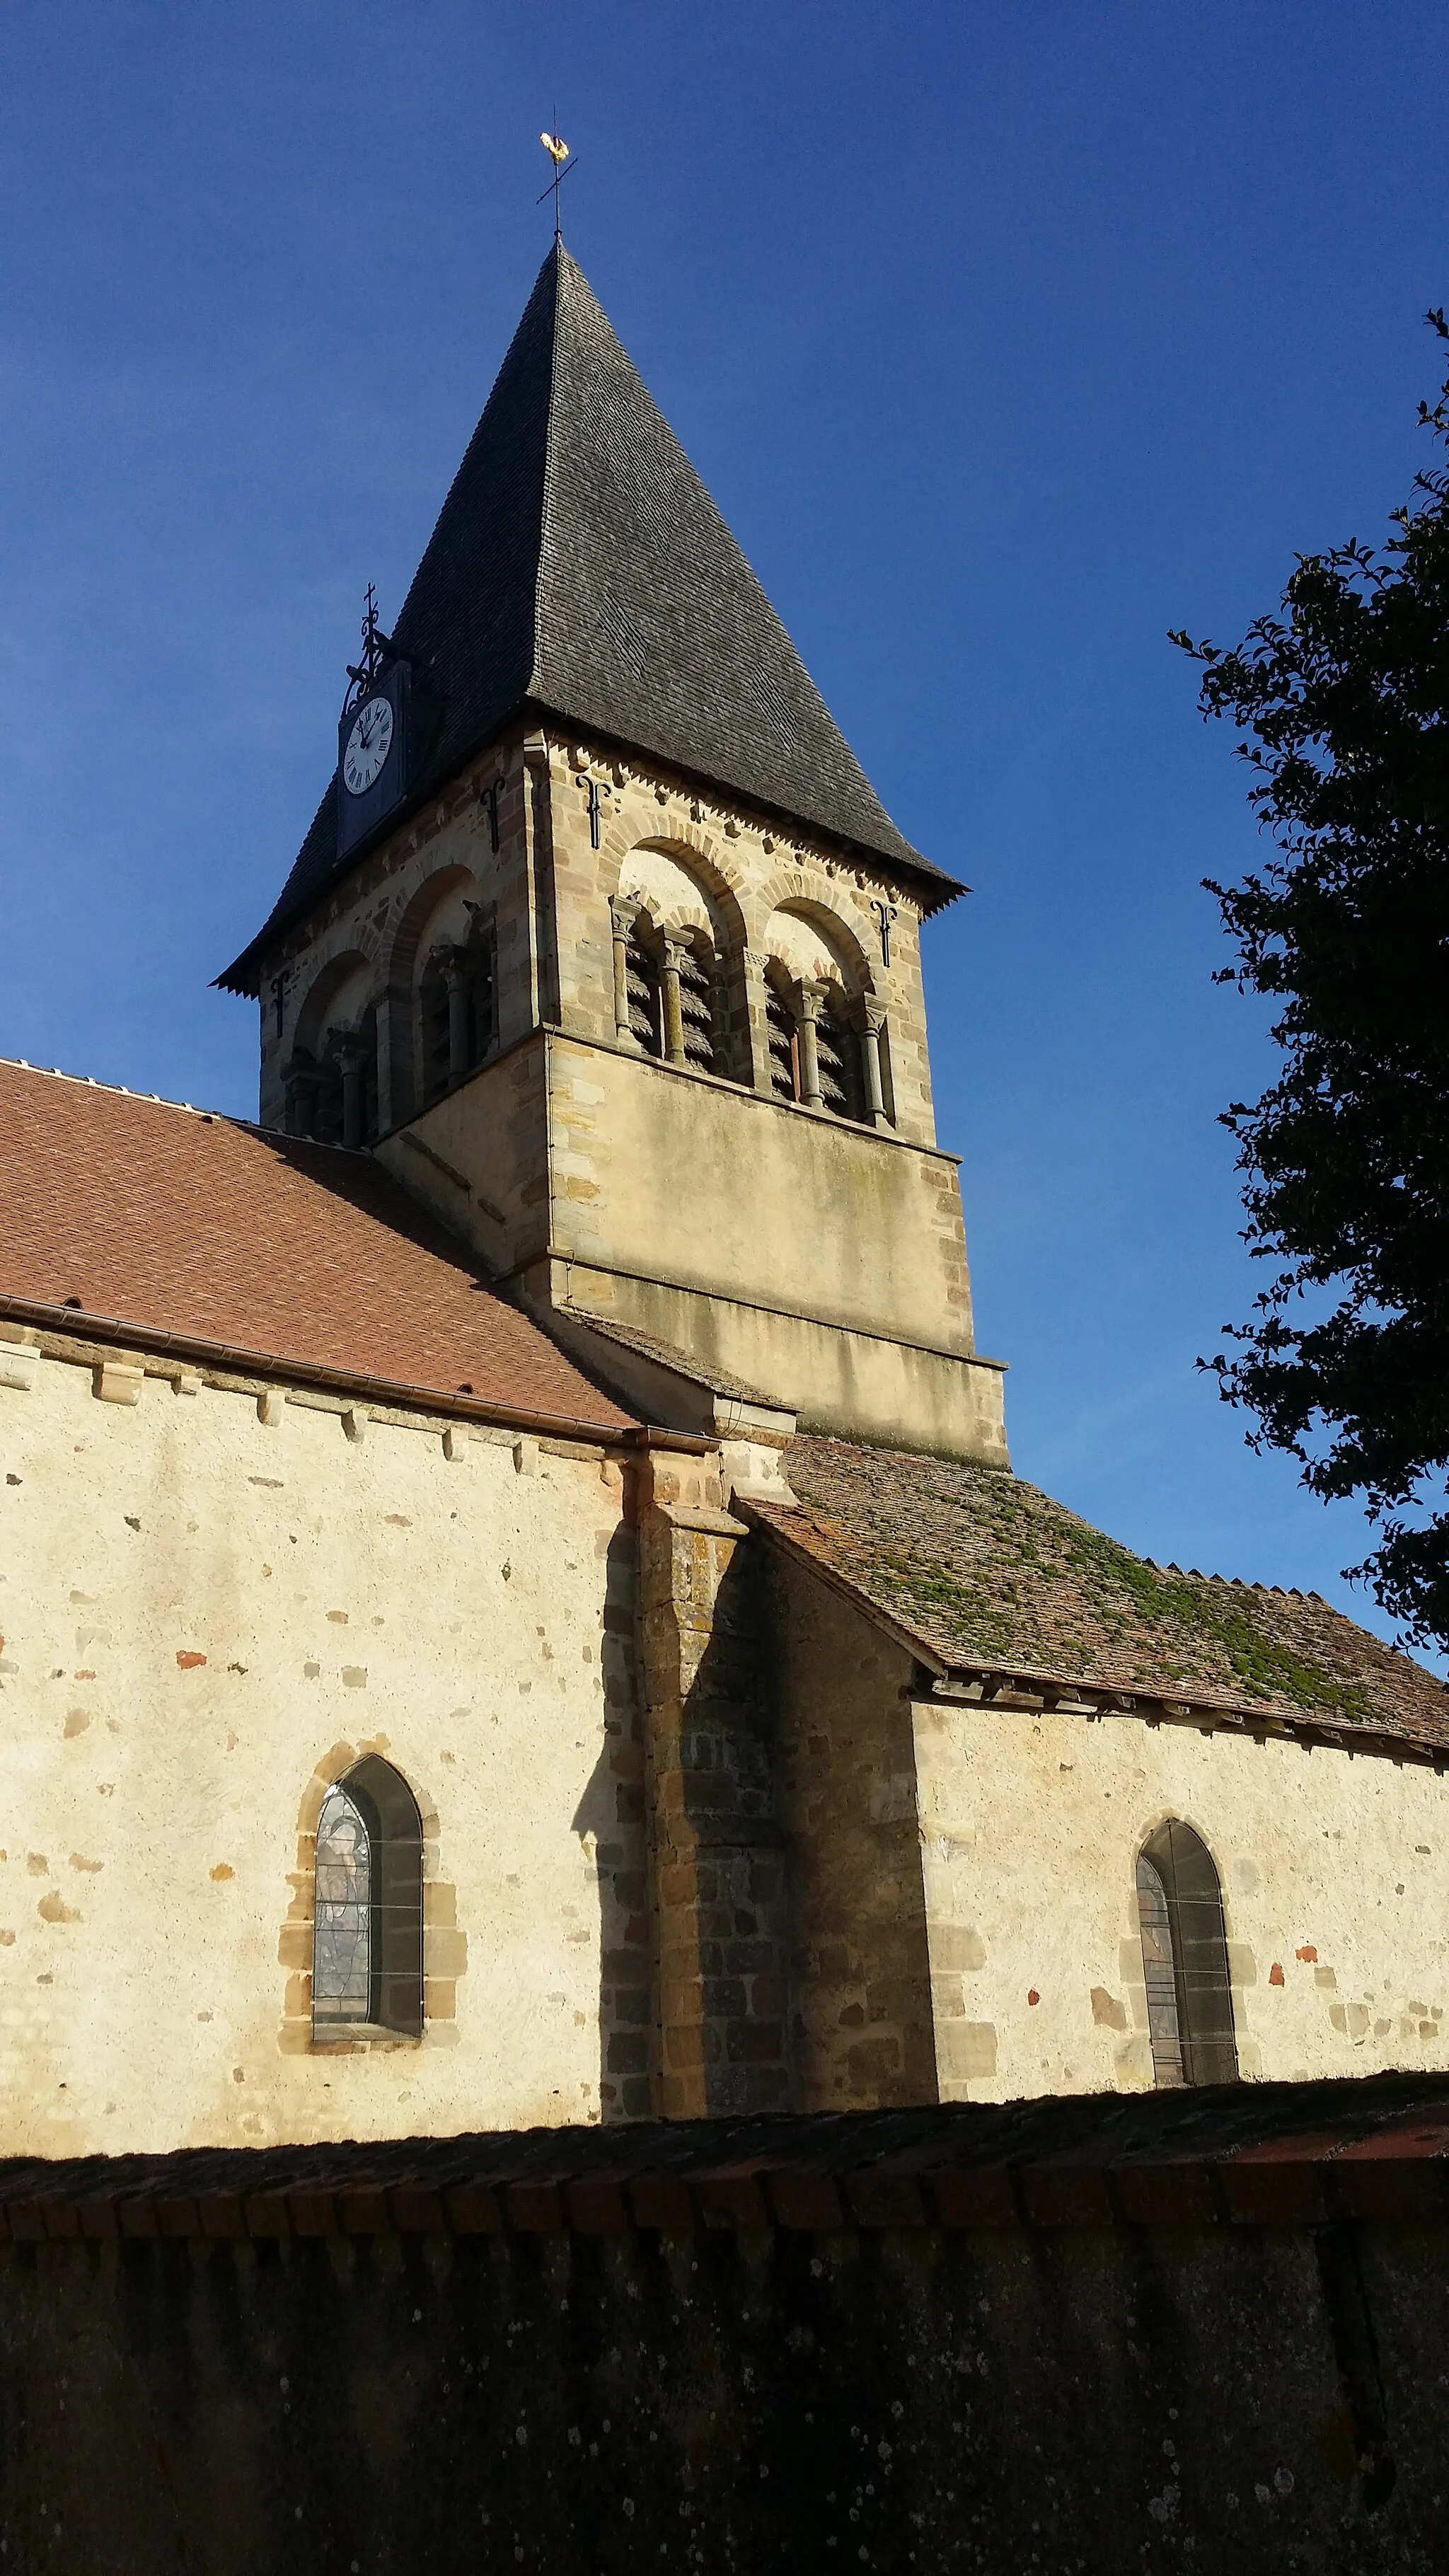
<point x="375" y="648"/>
<point x="558" y="153"/>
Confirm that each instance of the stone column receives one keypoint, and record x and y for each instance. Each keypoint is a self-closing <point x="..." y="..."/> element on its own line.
<point x="540" y="915"/>
<point x="394" y="1056"/>
<point x="300" y="1078"/>
<point x="725" y="1048"/>
<point x="669" y="994"/>
<point x="349" y="1051"/>
<point x="454" y="964"/>
<point x="871" y="1026"/>
<point x="717" y="1852"/>
<point x="622" y="915"/>
<point x="757" y="1033"/>
<point x="808" y="998"/>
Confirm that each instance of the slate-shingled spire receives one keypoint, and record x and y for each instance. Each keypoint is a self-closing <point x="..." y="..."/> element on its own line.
<point x="580" y="567"/>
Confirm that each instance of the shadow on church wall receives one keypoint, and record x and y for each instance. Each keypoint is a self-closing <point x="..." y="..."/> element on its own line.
<point x="610" y="1818"/>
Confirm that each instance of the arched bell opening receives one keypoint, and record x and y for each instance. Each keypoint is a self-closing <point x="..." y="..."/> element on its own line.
<point x="822" y="1050"/>
<point x="644" y="986"/>
<point x="331" y="1077"/>
<point x="668" y="999"/>
<point x="837" y="1055"/>
<point x="782" y="1035"/>
<point x="457" y="1008"/>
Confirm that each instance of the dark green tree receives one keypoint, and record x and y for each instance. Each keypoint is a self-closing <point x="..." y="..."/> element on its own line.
<point x="1342" y="701"/>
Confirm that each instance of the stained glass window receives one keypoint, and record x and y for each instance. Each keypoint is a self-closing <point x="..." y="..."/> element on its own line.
<point x="342" y="1936"/>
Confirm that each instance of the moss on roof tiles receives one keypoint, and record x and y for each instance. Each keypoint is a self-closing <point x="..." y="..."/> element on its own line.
<point x="1188" y="1619"/>
<point x="985" y="1568"/>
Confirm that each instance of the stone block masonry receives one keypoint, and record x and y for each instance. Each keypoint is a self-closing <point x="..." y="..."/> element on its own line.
<point x="719" y="1884"/>
<point x="821" y="1258"/>
<point x="1089" y="2336"/>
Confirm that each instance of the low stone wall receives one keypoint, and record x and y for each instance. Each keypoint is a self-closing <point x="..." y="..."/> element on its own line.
<point x="1202" y="2331"/>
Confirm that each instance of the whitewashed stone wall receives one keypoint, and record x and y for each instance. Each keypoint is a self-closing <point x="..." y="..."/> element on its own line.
<point x="212" y="1599"/>
<point x="1335" y="1880"/>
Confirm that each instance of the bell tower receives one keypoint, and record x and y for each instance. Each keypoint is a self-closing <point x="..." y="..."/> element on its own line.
<point x="603" y="942"/>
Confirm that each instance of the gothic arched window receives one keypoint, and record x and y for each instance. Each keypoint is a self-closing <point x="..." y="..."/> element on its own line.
<point x="367" y="1912"/>
<point x="342" y="1913"/>
<point x="1185" y="1960"/>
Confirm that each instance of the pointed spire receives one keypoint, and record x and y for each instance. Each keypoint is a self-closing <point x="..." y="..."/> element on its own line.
<point x="579" y="567"/>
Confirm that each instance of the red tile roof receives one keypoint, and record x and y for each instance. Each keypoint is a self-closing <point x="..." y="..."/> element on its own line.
<point x="180" y="1222"/>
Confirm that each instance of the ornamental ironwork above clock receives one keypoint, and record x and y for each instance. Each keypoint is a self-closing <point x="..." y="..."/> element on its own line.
<point x="377" y="746"/>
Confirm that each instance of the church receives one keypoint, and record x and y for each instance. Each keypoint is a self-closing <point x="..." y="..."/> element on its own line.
<point x="515" y="1609"/>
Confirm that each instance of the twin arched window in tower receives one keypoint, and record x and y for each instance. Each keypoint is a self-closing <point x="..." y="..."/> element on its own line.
<point x="675" y="1002"/>
<point x="332" y="1089"/>
<point x="430" y="1002"/>
<point x="456" y="1014"/>
<point x="796" y="1020"/>
<point x="821" y="1053"/>
<point x="379" y="1039"/>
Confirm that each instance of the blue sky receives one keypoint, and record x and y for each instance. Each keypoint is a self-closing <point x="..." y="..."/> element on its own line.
<point x="1007" y="337"/>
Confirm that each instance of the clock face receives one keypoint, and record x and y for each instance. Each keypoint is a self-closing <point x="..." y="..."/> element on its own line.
<point x="368" y="745"/>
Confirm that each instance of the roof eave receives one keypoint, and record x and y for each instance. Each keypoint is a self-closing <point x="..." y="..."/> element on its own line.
<point x="905" y="862"/>
<point x="79" y="1325"/>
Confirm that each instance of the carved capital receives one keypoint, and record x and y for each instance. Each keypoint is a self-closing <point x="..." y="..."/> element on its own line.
<point x="450" y="961"/>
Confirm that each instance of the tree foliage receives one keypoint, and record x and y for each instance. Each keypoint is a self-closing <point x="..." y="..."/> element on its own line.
<point x="1343" y="705"/>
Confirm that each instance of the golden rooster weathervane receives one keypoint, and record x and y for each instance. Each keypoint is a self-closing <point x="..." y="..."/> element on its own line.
<point x="558" y="153"/>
